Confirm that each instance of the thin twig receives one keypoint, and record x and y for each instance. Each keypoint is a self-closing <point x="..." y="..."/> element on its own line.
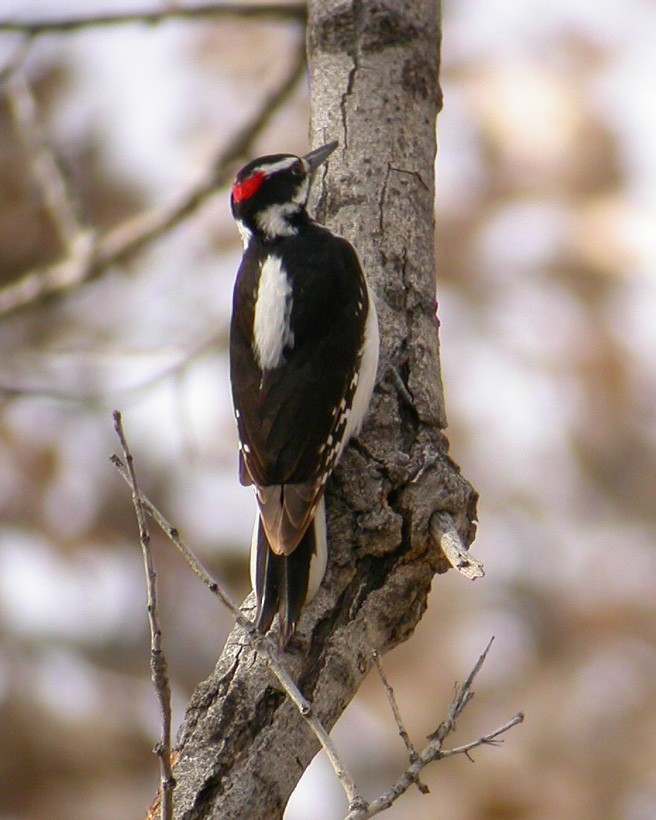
<point x="401" y="386"/>
<point x="463" y="696"/>
<point x="259" y="643"/>
<point x="283" y="11"/>
<point x="433" y="750"/>
<point x="120" y="243"/>
<point x="490" y="739"/>
<point x="412" y="752"/>
<point x="158" y="667"/>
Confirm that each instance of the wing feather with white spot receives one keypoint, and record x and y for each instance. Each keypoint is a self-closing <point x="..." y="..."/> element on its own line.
<point x="292" y="418"/>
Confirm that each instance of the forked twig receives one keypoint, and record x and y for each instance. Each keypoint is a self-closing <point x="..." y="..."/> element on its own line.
<point x="434" y="751"/>
<point x="44" y="164"/>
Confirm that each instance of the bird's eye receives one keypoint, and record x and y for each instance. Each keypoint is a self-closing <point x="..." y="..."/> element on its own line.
<point x="297" y="169"/>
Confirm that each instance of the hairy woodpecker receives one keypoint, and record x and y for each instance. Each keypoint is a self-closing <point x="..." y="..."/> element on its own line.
<point x="303" y="358"/>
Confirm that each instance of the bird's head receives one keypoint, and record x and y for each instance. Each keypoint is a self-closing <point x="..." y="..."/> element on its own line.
<point x="270" y="193"/>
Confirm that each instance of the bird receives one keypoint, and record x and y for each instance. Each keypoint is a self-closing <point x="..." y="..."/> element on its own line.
<point x="304" y="346"/>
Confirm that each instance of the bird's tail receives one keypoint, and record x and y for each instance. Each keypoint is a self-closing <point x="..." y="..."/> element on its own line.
<point x="285" y="583"/>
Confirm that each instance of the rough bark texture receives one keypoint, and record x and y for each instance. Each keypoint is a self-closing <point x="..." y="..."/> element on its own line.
<point x="374" y="82"/>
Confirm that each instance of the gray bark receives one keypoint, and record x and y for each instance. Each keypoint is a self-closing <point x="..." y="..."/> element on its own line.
<point x="374" y="86"/>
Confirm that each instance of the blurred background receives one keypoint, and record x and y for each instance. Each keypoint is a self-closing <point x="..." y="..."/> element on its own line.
<point x="546" y="245"/>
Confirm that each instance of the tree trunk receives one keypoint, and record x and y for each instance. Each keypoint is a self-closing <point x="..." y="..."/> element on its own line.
<point x="374" y="86"/>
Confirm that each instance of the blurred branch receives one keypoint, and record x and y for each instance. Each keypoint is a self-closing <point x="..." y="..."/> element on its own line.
<point x="16" y="59"/>
<point x="13" y="383"/>
<point x="433" y="750"/>
<point x="158" y="667"/>
<point x="45" y="166"/>
<point x="282" y="11"/>
<point x="260" y="643"/>
<point x="118" y="244"/>
<point x="131" y="235"/>
<point x="403" y="732"/>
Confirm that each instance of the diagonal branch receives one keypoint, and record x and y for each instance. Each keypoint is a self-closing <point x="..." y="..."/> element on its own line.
<point x="432" y="752"/>
<point x="45" y="166"/>
<point x="63" y="25"/>
<point x="403" y="732"/>
<point x="122" y="242"/>
<point x="258" y="642"/>
<point x="490" y="739"/>
<point x="17" y="58"/>
<point x="462" y="698"/>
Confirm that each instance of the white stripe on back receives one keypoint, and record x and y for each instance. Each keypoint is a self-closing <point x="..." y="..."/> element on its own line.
<point x="273" y="307"/>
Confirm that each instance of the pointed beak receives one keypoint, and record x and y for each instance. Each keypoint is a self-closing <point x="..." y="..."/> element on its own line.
<point x="319" y="155"/>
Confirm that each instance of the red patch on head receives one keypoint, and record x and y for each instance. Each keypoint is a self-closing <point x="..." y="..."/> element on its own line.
<point x="241" y="191"/>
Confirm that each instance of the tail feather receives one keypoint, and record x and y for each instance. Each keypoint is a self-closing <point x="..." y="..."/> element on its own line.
<point x="285" y="583"/>
<point x="294" y="586"/>
<point x="267" y="580"/>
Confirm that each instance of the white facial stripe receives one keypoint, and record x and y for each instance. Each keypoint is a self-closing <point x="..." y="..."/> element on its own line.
<point x="273" y="308"/>
<point x="281" y="165"/>
<point x="273" y="221"/>
<point x="301" y="195"/>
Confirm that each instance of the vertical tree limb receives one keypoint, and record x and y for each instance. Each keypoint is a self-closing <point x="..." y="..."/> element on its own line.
<point x="374" y="86"/>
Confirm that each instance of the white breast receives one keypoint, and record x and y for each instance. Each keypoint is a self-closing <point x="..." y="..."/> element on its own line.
<point x="273" y="307"/>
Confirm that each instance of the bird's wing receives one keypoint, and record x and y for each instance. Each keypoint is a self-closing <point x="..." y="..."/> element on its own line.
<point x="290" y="418"/>
<point x="286" y="511"/>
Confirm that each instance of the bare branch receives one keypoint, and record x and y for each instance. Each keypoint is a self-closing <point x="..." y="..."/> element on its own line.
<point x="158" y="667"/>
<point x="490" y="739"/>
<point x="282" y="11"/>
<point x="16" y="59"/>
<point x="44" y="165"/>
<point x="359" y="809"/>
<point x="433" y="750"/>
<point x="462" y="698"/>
<point x="260" y="643"/>
<point x="132" y="235"/>
<point x="412" y="752"/>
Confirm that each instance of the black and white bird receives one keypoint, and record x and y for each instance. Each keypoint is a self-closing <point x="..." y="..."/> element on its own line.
<point x="303" y="358"/>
